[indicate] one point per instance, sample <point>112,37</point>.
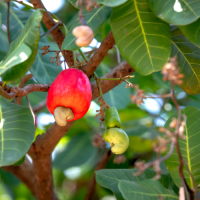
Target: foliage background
<point>75,157</point>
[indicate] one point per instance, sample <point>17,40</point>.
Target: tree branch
<point>56,33</point>
<point>121,70</point>
<point>99,55</point>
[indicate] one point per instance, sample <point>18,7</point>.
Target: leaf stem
<point>116,79</point>
<point>83,55</point>
<point>98,83</point>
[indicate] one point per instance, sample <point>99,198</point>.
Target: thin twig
<point>177,144</point>
<point>195,186</point>
<point>185,187</point>
<point>160,96</point>
<point>51,29</point>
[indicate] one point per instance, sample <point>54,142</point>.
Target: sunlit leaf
<point>29,36</point>
<point>178,12</point>
<point>16,131</point>
<point>17,56</point>
<point>43,70</point>
<point>142,38</point>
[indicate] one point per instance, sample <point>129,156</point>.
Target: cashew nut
<point>62,114</point>
<point>84,35</point>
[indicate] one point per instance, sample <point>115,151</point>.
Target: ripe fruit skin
<point>118,140</point>
<point>70,89</point>
<point>112,118</point>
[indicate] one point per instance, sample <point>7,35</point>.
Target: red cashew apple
<point>69,96</point>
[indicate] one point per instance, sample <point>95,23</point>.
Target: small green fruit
<point>118,140</point>
<point>112,119</point>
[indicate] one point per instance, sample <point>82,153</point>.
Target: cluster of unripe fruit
<point>117,137</point>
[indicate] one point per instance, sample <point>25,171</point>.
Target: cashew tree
<point>99,99</point>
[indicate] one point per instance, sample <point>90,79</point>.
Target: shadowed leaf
<point>16,131</point>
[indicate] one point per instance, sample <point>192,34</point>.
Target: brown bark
<point>56,33</point>
<point>99,55</point>
<point>42,166</point>
<point>121,70</point>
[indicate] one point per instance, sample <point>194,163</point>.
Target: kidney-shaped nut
<point>84,35</point>
<point>62,114</point>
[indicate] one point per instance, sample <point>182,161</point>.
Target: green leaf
<point>16,131</point>
<point>180,12</point>
<point>17,56</point>
<point>4,44</point>
<point>109,178</point>
<point>148,190</point>
<point>142,38</point>
<point>188,57</point>
<point>110,3</point>
<point>191,31</point>
<point>77,152</point>
<point>20,161</point>
<point>119,100</point>
<point>94,20</point>
<point>29,36</point>
<point>0,20</point>
<point>43,70</point>
<point>189,148</point>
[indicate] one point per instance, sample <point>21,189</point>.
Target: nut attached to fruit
<point>118,140</point>
<point>84,35</point>
<point>62,114</point>
<point>69,96</point>
<point>112,118</point>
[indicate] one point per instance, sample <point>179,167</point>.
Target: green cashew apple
<point>118,140</point>
<point>112,119</point>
